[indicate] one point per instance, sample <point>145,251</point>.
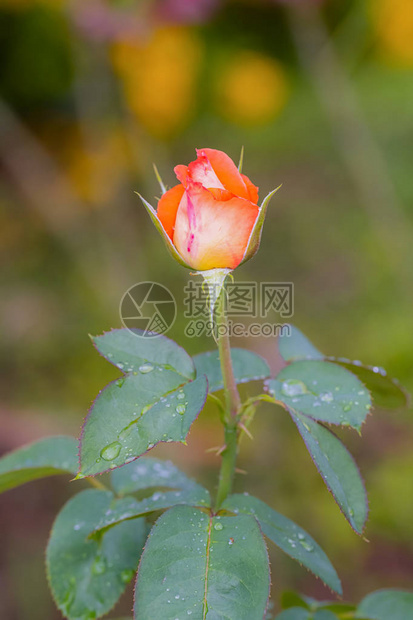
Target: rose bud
<point>211,219</point>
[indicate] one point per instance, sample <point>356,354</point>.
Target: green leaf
<point>386,605</point>
<point>158,225</point>
<point>298,613</point>
<point>387,392</point>
<point>324,614</point>
<point>129,351</point>
<point>294,613</point>
<point>338,608</point>
<point>292,599</point>
<point>47,457</point>
<point>255,236</point>
<point>130,417</point>
<point>128,508</point>
<point>248,366</point>
<point>87,576</point>
<point>149,472</point>
<point>213,567</point>
<point>288,536</point>
<point>295,346</point>
<point>323,391</point>
<point>337,468</point>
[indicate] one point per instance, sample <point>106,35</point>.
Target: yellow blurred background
<point>320,94</point>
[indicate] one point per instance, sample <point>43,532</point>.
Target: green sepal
<point>255,236</point>
<point>158,225</point>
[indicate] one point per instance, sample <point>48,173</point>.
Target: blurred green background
<point>320,94</point>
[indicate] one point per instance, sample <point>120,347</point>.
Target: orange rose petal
<point>221,194</point>
<point>168,207</point>
<point>210,233</point>
<point>202,172</point>
<point>252,189</point>
<point>226,171</point>
<point>181,172</point>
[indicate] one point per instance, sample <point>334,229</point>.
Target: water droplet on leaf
<point>293,387</point>
<point>127,575</point>
<point>99,566</point>
<point>111,451</point>
<point>327,397</point>
<point>307,546</point>
<point>126,432</point>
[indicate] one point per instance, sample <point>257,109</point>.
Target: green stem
<point>232,406</point>
<point>232,399</point>
<point>229,459</point>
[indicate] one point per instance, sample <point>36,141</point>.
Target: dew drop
<point>180,409</point>
<point>346,407</point>
<point>69,598</point>
<point>307,546</point>
<point>180,396</point>
<point>126,432</point>
<point>127,575</point>
<point>99,566</point>
<point>327,397</point>
<point>218,526</point>
<point>120,381</point>
<point>145,368</point>
<point>111,451</point>
<point>293,387</point>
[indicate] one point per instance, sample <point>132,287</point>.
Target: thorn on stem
<point>246,431</point>
<point>217,449</point>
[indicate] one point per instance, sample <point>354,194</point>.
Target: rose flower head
<point>211,219</point>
